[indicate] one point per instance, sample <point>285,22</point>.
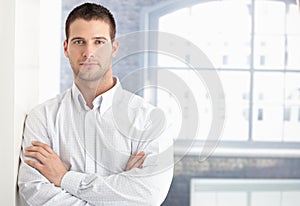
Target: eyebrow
<point>81,38</point>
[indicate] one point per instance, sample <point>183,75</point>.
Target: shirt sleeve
<point>34,188</point>
<point>146,186</point>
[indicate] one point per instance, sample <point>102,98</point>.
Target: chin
<point>91,78</point>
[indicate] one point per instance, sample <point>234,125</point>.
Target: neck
<point>91,89</point>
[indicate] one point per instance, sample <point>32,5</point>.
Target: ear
<point>115,47</point>
<point>66,49</point>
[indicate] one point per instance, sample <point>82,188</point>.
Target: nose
<point>89,51</point>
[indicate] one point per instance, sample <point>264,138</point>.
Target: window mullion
<point>250,138</point>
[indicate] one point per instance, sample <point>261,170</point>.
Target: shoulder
<point>135,105</point>
<point>134,101</point>
<point>50,106</point>
<point>136,111</point>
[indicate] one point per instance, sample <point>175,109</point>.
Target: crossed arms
<point>51,167</point>
<point>48,181</point>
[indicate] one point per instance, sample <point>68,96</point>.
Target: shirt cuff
<point>71,181</point>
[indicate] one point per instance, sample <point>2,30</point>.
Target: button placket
<point>90,141</point>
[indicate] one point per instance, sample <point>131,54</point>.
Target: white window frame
<point>149,21</point>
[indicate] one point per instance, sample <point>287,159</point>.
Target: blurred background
<point>254,45</point>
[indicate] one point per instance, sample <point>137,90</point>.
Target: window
<point>255,47</point>
<point>244,192</point>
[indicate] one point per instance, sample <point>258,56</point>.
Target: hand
<point>49,163</point>
<point>135,161</point>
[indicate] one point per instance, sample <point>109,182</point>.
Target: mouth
<point>88,64</point>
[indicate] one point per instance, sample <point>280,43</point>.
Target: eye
<point>78,42</point>
<point>100,42</point>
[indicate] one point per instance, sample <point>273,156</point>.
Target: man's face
<point>89,49</point>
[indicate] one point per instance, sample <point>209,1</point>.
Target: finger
<point>34,164</point>
<point>45,146</point>
<point>139,163</point>
<point>131,162</point>
<point>134,159</point>
<point>36,155</point>
<point>132,156</point>
<point>38,149</point>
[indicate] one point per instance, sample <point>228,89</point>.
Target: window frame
<point>149,21</point>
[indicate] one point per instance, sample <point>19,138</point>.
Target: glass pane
<point>269,52</point>
<point>265,198</point>
<point>169,23</point>
<point>232,199</point>
<point>235,34</point>
<point>203,34</point>
<point>290,198</point>
<point>293,37</point>
<point>206,198</point>
<point>293,20</point>
<point>268,102</point>
<point>234,52</point>
<point>269,17</point>
<point>170,61</point>
<point>220,29</point>
<point>236,17</point>
<point>196,90</point>
<point>293,51</point>
<point>269,39</point>
<point>236,89</point>
<point>292,107</point>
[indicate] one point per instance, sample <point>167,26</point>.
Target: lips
<point>88,63</point>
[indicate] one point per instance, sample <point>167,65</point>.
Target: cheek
<point>73,58</point>
<point>104,53</point>
<point>74,55</point>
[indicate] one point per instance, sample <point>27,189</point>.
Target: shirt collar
<point>103,101</point>
<point>108,96</point>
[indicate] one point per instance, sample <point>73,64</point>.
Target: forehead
<point>89,29</point>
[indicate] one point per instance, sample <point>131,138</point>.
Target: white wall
<point>50,48</point>
<point>7,19</point>
<point>30,59</point>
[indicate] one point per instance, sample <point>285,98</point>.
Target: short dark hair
<point>91,11</point>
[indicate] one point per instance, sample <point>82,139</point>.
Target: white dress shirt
<point>95,145</point>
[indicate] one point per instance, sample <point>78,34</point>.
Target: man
<point>96,144</point>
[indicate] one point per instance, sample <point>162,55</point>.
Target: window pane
<point>206,198</point>
<point>232,198</point>
<point>269,17</point>
<point>268,106</point>
<point>292,107</point>
<point>265,198</point>
<point>269,52</point>
<point>293,20</point>
<point>225,38</point>
<point>293,37</point>
<point>169,22</point>
<point>269,39</point>
<point>235,34</point>
<point>293,51</point>
<point>171,107</point>
<point>289,198</point>
<point>236,89</point>
<point>170,61</point>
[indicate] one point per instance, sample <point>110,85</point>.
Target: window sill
<point>240,149</point>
